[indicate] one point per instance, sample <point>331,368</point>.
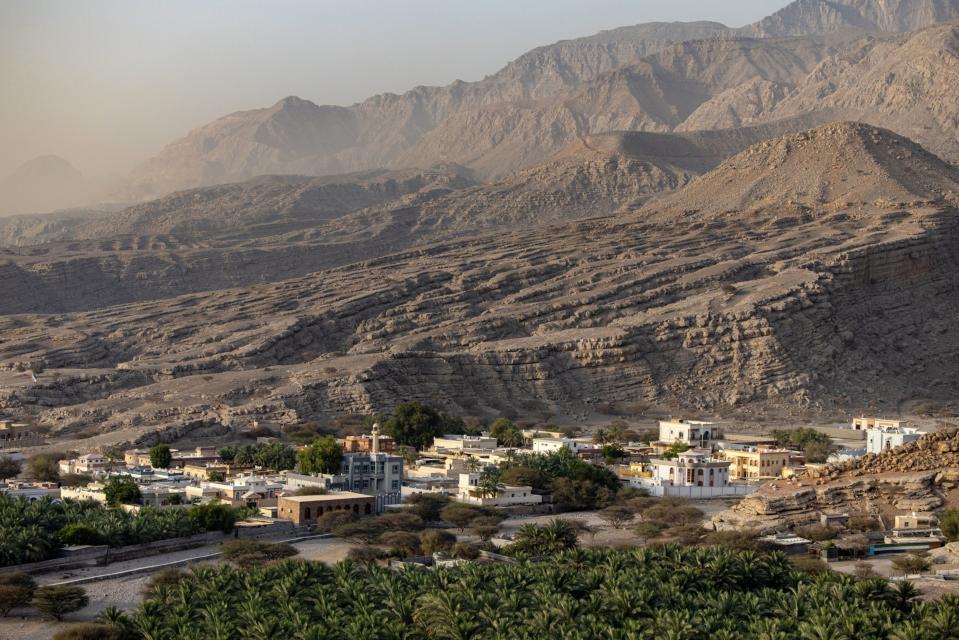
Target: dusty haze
<point>104,85</point>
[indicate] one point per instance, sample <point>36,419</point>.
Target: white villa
<point>879,439</point>
<point>693,433</point>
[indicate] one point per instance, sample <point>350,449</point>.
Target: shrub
<point>78,534</point>
<point>740,540</point>
<point>949,522</point>
<point>401,521</point>
<point>90,631</point>
<point>648,530</point>
<point>617,516</point>
<point>817,532</point>
<point>428,505</point>
<point>169,577</point>
<point>248,553</point>
<point>433,540</point>
<point>863,523</point>
<point>401,543</point>
<point>9,467</point>
<point>58,601</point>
<point>366,555</point>
<point>466,551</point>
<point>461,515</point>
<point>911,563</point>
<point>334,519</point>
<point>366,531</point>
<point>808,564</point>
<point>864,570</point>
<point>686,534</point>
<point>16,590</point>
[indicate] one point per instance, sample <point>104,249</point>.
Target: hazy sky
<point>106,83</point>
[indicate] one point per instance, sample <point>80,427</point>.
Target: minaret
<point>375,445</point>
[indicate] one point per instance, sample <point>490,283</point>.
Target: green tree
<point>675,449</point>
<point>323,455</point>
<point>9,468</point>
<point>555,536</point>
<point>44,467</point>
<point>506,432</point>
<point>58,601</point>
<point>461,515</point>
<point>415,424</point>
<point>488,485</point>
<point>949,522</point>
<point>121,490</point>
<point>613,452</point>
<point>428,505</point>
<point>80,534</point>
<point>160,456</point>
<point>523,476</point>
<point>214,516</point>
<point>75,480</point>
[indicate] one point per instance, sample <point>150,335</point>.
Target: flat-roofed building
<point>242,491</point>
<point>307,509</point>
<point>459,442</point>
<point>505,495</point>
<point>90,463</point>
<point>14,435</point>
<point>364,444</point>
<point>552,445</point>
<point>863,423</point>
<point>693,468</point>
<point>754,463</point>
<point>879,439</point>
<point>693,433</point>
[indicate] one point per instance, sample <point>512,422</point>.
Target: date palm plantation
<point>655,592</point>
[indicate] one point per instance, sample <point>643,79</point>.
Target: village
<point>503,493</point>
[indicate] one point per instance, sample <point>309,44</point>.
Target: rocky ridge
<point>643,77</point>
<point>918,476</point>
<point>811,313</point>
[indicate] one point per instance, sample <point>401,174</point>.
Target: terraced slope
<point>824,311</point>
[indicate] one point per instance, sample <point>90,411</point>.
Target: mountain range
<point>647,77</point>
<point>682,216</point>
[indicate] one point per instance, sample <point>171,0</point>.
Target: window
<point>396,468</point>
<point>396,485</point>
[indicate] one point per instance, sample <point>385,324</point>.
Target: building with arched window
<point>308,509</point>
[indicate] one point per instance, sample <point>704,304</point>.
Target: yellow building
<point>755,463</point>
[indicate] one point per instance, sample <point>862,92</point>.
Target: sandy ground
<point>125,592</point>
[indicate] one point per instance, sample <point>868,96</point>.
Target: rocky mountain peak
<point>839,166</point>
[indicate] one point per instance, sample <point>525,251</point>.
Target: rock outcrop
<point>917,476</point>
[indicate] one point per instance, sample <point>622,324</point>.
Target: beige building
<point>505,496</point>
<point>864,424</point>
<point>307,509</point>
<point>242,491</point>
<point>754,463</point>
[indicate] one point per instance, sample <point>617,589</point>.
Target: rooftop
<point>341,495</point>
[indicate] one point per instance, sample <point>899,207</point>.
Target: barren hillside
<point>818,313</point>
